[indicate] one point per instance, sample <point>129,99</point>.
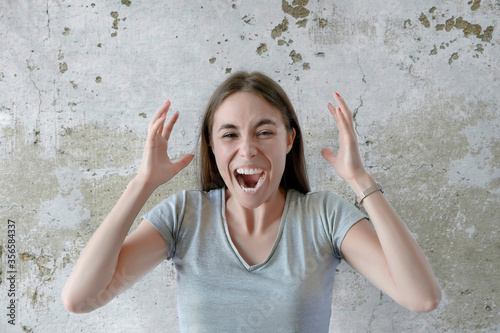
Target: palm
<point>156,166</point>
<point>347,163</point>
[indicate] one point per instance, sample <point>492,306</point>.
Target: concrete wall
<point>79,82</point>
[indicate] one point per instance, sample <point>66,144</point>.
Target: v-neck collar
<point>248,267</point>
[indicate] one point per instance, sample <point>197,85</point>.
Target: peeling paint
<point>261,49</point>
<point>297,9</point>
<point>63,67</point>
<point>279,29</point>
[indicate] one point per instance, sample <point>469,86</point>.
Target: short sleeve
<point>166,218</point>
<point>340,216</point>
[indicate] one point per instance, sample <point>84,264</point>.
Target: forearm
<point>411,273</point>
<point>96,266</point>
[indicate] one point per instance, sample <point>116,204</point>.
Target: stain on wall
<point>79,83</point>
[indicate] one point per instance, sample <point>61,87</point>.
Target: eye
<point>228,135</point>
<point>265,133</point>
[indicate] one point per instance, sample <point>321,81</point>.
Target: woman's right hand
<point>156,166</point>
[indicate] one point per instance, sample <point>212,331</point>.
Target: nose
<point>247,148</point>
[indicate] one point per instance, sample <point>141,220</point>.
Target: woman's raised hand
<point>347,163</point>
<point>156,166</point>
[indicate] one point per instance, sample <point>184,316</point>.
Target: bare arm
<point>112,262</point>
<point>390,257</point>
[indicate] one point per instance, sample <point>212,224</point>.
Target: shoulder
<point>316,198</point>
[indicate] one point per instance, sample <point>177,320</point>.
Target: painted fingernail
<point>162,116</point>
<point>340,109</point>
<point>166,102</point>
<point>337,94</point>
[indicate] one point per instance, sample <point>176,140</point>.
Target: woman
<point>255,250</point>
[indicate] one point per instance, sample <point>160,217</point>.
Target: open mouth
<point>250,180</point>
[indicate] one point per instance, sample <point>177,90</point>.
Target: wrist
<point>361,183</point>
<point>142,185</point>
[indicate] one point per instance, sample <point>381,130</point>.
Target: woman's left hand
<point>347,163</point>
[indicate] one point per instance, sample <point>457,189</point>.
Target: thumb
<point>183,162</point>
<point>328,155</point>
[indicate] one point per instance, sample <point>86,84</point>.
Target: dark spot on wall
<point>454,56</point>
<point>306,66</point>
<point>487,35</point>
<point>114,34</point>
<point>439,27</point>
<point>302,23</point>
<point>247,19</point>
<point>126,2</point>
<point>432,10</point>
<point>476,5</point>
<point>434,51</point>
<point>279,29</point>
<point>261,49</point>
<point>66,31</point>
<point>228,70</point>
<point>322,23</point>
<point>98,79</point>
<point>423,19</point>
<point>75,86</point>
<point>297,10</point>
<point>143,115</point>
<point>407,24</point>
<point>296,57</point>
<point>99,45</point>
<point>212,60</point>
<point>450,23</point>
<point>63,67</point>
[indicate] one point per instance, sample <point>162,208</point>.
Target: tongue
<point>250,180</point>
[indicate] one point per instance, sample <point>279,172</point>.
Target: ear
<point>290,139</point>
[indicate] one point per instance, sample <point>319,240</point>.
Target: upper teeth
<point>243,171</point>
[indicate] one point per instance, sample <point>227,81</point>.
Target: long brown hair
<point>294,176</point>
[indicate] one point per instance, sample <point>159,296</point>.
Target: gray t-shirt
<point>217,291</point>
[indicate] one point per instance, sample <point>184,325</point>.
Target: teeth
<point>246,189</point>
<point>242,171</point>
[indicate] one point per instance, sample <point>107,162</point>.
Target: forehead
<point>244,107</point>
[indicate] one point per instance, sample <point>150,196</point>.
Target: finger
<point>161,111</point>
<point>328,155</point>
<point>155,127</point>
<point>183,162</point>
<point>345,108</point>
<point>339,117</point>
<point>167,129</point>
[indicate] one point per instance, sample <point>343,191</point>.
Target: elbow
<point>73,305</point>
<point>427,304</point>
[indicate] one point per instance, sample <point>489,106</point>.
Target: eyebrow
<point>260,123</point>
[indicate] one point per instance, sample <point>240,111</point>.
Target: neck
<point>256,220</point>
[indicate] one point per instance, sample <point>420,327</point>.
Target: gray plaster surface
<point>79,81</point>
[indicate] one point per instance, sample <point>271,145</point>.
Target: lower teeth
<point>250,189</point>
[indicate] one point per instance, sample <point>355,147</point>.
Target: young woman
<point>254,249</point>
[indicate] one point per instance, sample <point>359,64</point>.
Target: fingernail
<point>167,101</point>
<point>163,115</point>
<point>340,109</point>
<point>336,93</point>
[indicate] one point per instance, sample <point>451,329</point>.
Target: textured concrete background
<point>79,82</point>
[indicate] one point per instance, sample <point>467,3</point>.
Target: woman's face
<point>250,143</point>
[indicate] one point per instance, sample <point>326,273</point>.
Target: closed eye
<point>265,133</point>
<point>229,135</point>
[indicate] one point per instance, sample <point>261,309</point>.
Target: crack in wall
<point>356,110</point>
<point>48,20</point>
<point>30,76</point>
